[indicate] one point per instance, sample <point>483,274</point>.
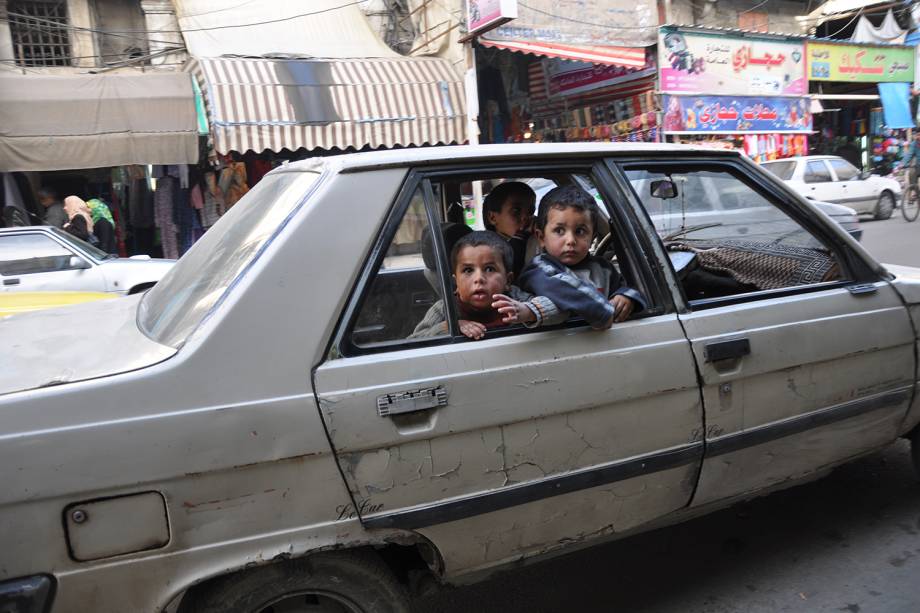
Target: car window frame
<point>658,294</point>
<point>50,236</point>
<point>775,191</point>
<point>827,168</point>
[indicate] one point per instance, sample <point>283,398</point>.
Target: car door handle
<point>411,401</point>
<point>725,350</point>
<point>11,281</point>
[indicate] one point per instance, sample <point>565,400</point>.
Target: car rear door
<point>518,443</point>
<point>805,354</point>
<point>820,184</point>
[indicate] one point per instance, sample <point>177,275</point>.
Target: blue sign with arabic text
<point>735,115</point>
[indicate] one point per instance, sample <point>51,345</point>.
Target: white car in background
<point>833,179</point>
<point>43,258</point>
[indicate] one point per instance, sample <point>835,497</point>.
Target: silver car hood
<point>74,343</point>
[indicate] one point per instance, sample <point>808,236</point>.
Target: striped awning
<point>275,104</point>
<point>628,57</point>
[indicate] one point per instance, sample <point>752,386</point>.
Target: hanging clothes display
<point>233,183</point>
<point>164,203</point>
<point>213,206</point>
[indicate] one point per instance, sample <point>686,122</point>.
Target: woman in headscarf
<point>79,218</point>
<point>103,224</point>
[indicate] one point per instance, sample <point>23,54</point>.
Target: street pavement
<point>849,542</point>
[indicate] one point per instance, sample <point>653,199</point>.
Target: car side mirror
<point>664,189</point>
<point>865,174</point>
<point>77,263</point>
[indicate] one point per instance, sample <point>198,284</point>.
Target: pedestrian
<point>79,219</point>
<point>103,224</point>
<point>54,208</point>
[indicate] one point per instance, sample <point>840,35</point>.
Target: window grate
<point>40,32</point>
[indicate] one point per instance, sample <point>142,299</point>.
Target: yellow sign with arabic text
<point>860,63</point>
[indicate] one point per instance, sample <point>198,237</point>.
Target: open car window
<point>403,303</point>
<point>725,236</point>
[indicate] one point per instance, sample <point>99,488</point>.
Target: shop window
<point>725,237</point>
<point>39,32</point>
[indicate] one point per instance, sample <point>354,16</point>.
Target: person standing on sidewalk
<point>55,215</point>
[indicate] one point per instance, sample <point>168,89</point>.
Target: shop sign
<point>735,114</point>
<point>566,78</point>
<point>616,23</point>
<point>860,63</point>
<point>485,15</point>
<point>692,63</point>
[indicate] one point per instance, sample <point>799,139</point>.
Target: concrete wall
<point>724,13</point>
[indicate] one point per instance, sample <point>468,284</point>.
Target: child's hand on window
<point>512,311</point>
<point>624,307</point>
<point>472,329</point>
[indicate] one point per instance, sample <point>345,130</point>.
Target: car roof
<point>418,156</point>
<point>804,158</point>
<point>13,229</point>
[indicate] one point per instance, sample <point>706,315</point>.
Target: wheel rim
<point>310,601</point>
<point>910,204</point>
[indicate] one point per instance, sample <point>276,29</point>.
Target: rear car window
<point>816,172</point>
<point>176,305</point>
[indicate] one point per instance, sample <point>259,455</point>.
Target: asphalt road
<point>849,542</point>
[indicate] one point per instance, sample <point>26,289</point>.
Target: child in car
<point>566,273</point>
<point>508,210</point>
<point>481,262</point>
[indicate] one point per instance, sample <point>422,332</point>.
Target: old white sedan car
<point>43,258</point>
<point>262,432</point>
<point>831,178</point>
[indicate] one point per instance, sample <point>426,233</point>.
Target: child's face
<point>479,273</point>
<point>567,235</point>
<point>516,215</point>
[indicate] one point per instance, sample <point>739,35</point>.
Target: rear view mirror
<point>77,263</point>
<point>664,189</point>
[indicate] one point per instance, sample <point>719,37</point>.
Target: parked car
<point>12,303</point>
<point>261,429</point>
<point>714,203</point>
<point>44,258</point>
<point>833,179</point>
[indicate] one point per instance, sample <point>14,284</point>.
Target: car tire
<point>352,581</point>
<point>885,205</point>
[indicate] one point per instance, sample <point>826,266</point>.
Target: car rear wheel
<point>885,206</point>
<point>335,582</point>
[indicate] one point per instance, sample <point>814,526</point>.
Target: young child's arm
<point>434,323</point>
<point>517,306</point>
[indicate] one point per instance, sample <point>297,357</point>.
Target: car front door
<point>805,354</point>
<point>33,261</point>
<point>515,444</point>
<point>858,194</point>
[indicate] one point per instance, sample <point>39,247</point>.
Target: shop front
<point>864,97</point>
<point>740,90</point>
<point>542,78</point>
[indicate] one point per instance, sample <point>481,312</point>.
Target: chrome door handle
<point>411,401</point>
<point>726,350</point>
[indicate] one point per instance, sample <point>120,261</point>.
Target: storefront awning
<point>275,104</point>
<point>628,57</point>
<point>92,121</point>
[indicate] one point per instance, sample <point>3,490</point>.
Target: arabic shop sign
<point>692,63</point>
<point>735,115</point>
<point>860,63</point>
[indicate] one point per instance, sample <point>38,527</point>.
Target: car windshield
<point>177,304</point>
<point>783,170</point>
<point>94,252</point>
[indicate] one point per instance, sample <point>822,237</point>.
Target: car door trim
<point>605,474</point>
<point>800,423</point>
